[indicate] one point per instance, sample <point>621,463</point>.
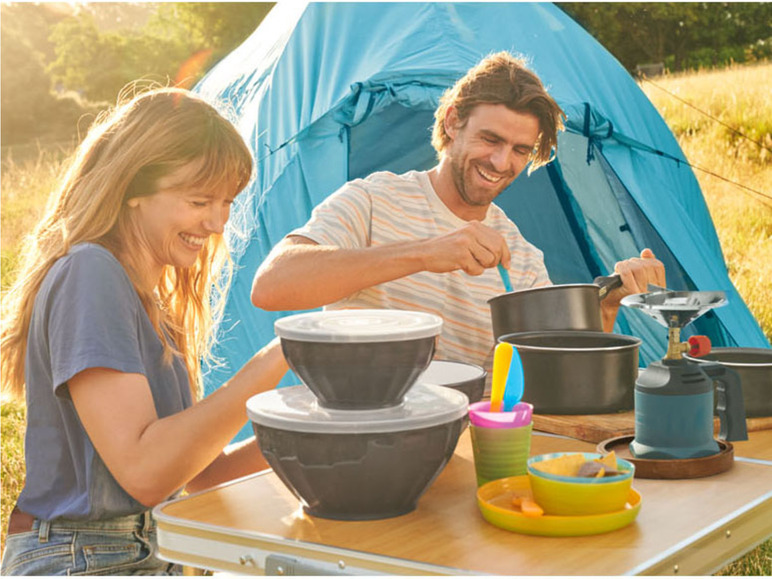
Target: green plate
<point>495,502</point>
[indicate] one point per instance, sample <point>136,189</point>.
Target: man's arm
<point>299,274</point>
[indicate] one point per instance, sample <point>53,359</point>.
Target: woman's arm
<point>151,457</point>
<point>237,460</point>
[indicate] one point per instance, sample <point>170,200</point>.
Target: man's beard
<point>457,170</point>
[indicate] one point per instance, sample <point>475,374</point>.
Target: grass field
<point>738,97</point>
<point>739,100</point>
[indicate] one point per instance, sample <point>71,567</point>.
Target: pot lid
<point>297,409</point>
<point>358,326</point>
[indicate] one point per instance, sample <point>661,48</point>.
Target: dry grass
<point>739,97</point>
<point>12,427</point>
<point>26,185</point>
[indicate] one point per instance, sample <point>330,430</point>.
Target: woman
<point>106,328</point>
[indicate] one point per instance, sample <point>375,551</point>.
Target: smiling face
<point>175,222</point>
<point>484,156</point>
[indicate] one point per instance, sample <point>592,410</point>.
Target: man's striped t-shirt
<point>387,208</point>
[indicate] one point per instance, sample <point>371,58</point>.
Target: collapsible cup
<point>501,447</point>
<point>480,415</point>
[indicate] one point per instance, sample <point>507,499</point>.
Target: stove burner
<point>675,309</point>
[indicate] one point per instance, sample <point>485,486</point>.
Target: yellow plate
<point>495,502</point>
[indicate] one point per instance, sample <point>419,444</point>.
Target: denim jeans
<point>120,546</point>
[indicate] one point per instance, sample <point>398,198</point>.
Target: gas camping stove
<point>674,397</point>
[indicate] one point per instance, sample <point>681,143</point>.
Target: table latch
<point>283,565</point>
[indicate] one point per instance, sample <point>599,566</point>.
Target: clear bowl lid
<point>297,409</point>
<point>358,326</point>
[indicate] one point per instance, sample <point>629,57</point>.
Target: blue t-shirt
<point>87,314</point>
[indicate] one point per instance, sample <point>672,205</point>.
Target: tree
<point>26,96</point>
<point>680,34</point>
<point>100,64</point>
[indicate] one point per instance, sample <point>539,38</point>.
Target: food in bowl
<point>359,359</point>
<point>559,489</point>
<point>576,465</point>
<point>358,465</point>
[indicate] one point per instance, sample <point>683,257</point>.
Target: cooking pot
<point>556,307</point>
<point>577,372</point>
<point>754,365</point>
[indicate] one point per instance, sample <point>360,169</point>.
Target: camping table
<point>758,447</point>
<point>254,525</point>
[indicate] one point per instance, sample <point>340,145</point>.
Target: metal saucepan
<point>577,372</point>
<point>557,307</point>
<point>754,366</point>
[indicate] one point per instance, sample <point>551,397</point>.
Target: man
<point>431,240</point>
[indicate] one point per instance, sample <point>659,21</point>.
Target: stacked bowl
<point>564,495</point>
<point>359,439</point>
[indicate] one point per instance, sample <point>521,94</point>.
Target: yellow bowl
<point>581,496</point>
<point>494,500</point>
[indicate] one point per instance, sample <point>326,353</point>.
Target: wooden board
<point>599,427</point>
<point>671,469</point>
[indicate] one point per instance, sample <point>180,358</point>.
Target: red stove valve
<point>700,346</point>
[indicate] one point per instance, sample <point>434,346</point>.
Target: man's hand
<point>472,248</point>
<point>636,273</point>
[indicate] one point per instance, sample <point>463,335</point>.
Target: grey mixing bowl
<point>359,359</point>
<point>359,375</point>
<point>462,376</point>
<point>353,465</point>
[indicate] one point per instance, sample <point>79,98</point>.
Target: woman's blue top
<point>87,314</point>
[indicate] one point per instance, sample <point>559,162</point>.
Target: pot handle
<point>607,283</point>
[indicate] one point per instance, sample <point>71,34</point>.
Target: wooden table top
<point>685,526</point>
<point>757,447</point>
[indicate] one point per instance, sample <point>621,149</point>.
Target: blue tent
<point>327,92</point>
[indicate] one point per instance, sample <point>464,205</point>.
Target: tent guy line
<point>699,110</point>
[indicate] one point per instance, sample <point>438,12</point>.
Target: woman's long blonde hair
<point>123,156</point>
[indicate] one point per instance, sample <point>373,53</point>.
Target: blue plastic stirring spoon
<point>505,277</point>
<point>513,391</point>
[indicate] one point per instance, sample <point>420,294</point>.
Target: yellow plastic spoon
<point>502,357</point>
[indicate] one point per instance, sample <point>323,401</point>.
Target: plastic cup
<point>500,452</point>
<point>480,415</point>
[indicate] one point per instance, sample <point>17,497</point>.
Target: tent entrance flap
<point>396,139</point>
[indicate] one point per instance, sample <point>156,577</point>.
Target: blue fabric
<point>326,92</point>
<point>121,546</point>
<point>86,315</point>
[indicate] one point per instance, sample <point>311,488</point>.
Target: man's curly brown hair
<point>501,78</point>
